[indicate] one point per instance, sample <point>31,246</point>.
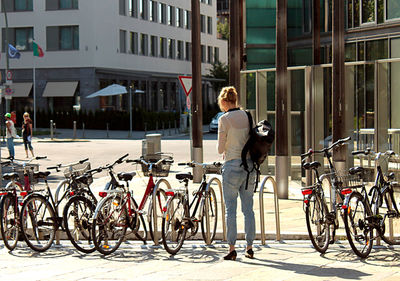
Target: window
<point>23,5</point>
<point>188,51</point>
<point>153,46</point>
<point>392,9</point>
<point>187,19</point>
<point>134,43</point>
<point>216,54</point>
<point>171,12</point>
<point>133,8</point>
<point>153,11</point>
<point>202,23</point>
<point>171,48</point>
<point>162,13</point>
<point>209,25</point>
<point>368,11</point>
<point>179,54</point>
<point>122,41</point>
<point>21,38</point>
<point>209,54</point>
<point>163,47</point>
<point>143,9</point>
<point>52,5</point>
<point>62,38</point>
<point>203,53</point>
<point>179,17</point>
<point>143,44</point>
<point>209,2</point>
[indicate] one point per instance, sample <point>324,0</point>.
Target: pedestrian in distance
<point>233,133</point>
<point>11,133</point>
<point>27,134</point>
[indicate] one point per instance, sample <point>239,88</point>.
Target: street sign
<point>9,75</point>
<point>186,82</point>
<point>8,92</point>
<point>188,102</point>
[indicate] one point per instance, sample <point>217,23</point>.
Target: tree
<point>223,28</point>
<point>219,70</point>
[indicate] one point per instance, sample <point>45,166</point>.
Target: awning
<point>111,90</point>
<point>60,89</point>
<point>21,90</point>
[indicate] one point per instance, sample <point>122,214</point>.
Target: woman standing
<point>233,133</point>
<point>27,134</point>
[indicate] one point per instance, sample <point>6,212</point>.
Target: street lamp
<point>130,111</point>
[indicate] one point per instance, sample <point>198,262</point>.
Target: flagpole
<point>34,95</point>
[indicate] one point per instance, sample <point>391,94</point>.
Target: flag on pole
<point>13,53</point>
<point>37,50</point>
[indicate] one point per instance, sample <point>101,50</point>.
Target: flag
<point>37,51</point>
<point>13,53</point>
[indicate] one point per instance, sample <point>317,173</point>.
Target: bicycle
<point>39,215</point>
<point>362,215</point>
<point>178,218</point>
<point>317,212</point>
<point>118,210</point>
<point>12,195</point>
<point>80,208</point>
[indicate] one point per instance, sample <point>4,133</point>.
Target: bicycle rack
<point>154,202</point>
<point>222,209</point>
<point>261,201</point>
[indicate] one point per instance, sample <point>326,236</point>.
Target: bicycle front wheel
<point>9,221</point>
<point>77,214</point>
<point>210,216</point>
<point>317,225</point>
<point>391,224</point>
<point>156,215</point>
<point>356,224</point>
<point>38,223</point>
<point>173,225</point>
<point>109,225</point>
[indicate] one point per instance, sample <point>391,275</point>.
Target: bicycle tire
<point>141,235</point>
<point>358,232</point>
<point>106,237</point>
<point>393,227</point>
<point>9,213</point>
<point>38,223</point>
<point>77,214</point>
<point>155,225</point>
<point>210,215</point>
<point>173,224</point>
<point>316,212</point>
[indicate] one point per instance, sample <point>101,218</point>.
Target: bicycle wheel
<point>109,225</point>
<point>173,225</point>
<point>358,231</point>
<point>317,225</point>
<point>210,216</point>
<point>77,213</point>
<point>38,223</point>
<point>391,226</point>
<point>9,221</point>
<point>156,214</point>
<point>136,222</point>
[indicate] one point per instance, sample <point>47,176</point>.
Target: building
<point>89,44</point>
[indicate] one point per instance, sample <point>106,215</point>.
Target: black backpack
<point>259,143</point>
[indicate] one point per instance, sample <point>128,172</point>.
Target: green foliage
<point>219,70</point>
<point>223,29</point>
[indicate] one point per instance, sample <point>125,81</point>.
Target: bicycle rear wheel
<point>391,234</point>
<point>173,225</point>
<point>109,225</point>
<point>210,216</point>
<point>77,213</point>
<point>136,222</point>
<point>38,223</point>
<point>356,224</point>
<point>317,225</point>
<point>156,214</point>
<point>9,221</point>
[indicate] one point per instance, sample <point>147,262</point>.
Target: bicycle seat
<point>10,176</point>
<point>312,165</point>
<point>41,175</point>
<point>182,176</point>
<point>356,170</point>
<point>126,176</point>
<point>82,179</point>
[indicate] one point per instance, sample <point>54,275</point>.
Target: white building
<point>89,44</point>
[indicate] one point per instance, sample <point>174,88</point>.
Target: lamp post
<point>130,111</point>
<point>3,6</point>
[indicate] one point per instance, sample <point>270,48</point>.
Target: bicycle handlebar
<point>333,145</point>
<point>194,164</point>
<point>144,162</point>
<point>57,167</point>
<point>365,152</point>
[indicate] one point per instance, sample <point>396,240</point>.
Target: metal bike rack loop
<point>217,180</point>
<point>261,201</point>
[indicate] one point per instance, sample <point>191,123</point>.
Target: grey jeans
<point>234,183</point>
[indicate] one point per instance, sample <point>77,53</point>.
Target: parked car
<point>213,128</point>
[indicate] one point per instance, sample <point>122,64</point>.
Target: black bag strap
<point>247,145</point>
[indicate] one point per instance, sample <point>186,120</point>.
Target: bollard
<point>163,128</point>
<point>169,128</point>
<point>107,131</point>
<point>83,130</point>
<point>156,126</point>
<point>176,128</point>
<point>74,134</point>
<point>55,128</point>
<point>145,129</point>
<point>51,129</point>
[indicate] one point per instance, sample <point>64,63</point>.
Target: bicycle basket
<point>161,170</point>
<point>78,170</point>
<point>349,181</point>
<point>30,169</point>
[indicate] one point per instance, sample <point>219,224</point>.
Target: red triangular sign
<point>186,82</point>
